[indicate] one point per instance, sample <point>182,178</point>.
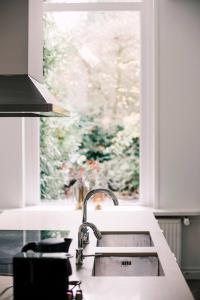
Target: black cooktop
<point>12,241</point>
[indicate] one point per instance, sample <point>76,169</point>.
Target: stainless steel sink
<point>127,265</point>
<point>125,239</point>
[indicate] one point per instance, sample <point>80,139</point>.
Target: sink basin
<point>127,265</point>
<point>125,239</point>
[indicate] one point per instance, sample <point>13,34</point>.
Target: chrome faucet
<point>87,197</point>
<point>79,252</point>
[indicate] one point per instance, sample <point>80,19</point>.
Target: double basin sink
<point>126,264</point>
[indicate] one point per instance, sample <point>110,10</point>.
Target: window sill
<point>134,207</point>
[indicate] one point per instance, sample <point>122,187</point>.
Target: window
<point>96,57</point>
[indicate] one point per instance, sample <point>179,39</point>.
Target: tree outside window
<point>92,63</point>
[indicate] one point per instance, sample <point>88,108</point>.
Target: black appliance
<point>41,275</point>
<point>49,245</point>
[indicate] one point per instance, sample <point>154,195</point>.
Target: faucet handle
<point>92,255</point>
<point>85,236</point>
<point>85,232</point>
<point>79,256</point>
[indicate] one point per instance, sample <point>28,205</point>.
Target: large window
<point>93,63</point>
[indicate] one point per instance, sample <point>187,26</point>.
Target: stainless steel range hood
<point>23,96</point>
<point>22,93</point>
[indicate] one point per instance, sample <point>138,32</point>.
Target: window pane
<point>92,63</point>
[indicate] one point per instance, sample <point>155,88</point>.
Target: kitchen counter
<point>171,286</point>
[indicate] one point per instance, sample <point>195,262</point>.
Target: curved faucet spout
<point>83,233</point>
<point>93,192</point>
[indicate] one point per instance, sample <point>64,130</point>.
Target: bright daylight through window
<point>92,64</point>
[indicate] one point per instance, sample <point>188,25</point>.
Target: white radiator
<point>172,231</point>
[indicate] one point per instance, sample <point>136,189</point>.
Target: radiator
<point>172,231</point>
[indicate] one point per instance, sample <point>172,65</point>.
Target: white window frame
<point>149,109</point>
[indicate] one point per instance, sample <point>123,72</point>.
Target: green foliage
<point>59,142</point>
<point>57,136</point>
<point>51,160</point>
<point>124,168</point>
<point>100,140</point>
<point>54,49</point>
<point>95,142</point>
<point>116,156</point>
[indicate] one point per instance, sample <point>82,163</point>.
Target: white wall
<point>20,53</point>
<point>32,125</point>
<point>13,42</point>
<point>179,103</point>
<point>31,161</point>
<point>11,163</point>
<point>35,39</point>
<point>13,60</point>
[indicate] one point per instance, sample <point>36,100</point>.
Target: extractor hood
<point>22,92</point>
<point>23,96</point>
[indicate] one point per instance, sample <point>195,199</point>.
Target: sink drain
<point>126,263</point>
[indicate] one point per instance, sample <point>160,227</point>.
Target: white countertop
<point>172,286</point>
